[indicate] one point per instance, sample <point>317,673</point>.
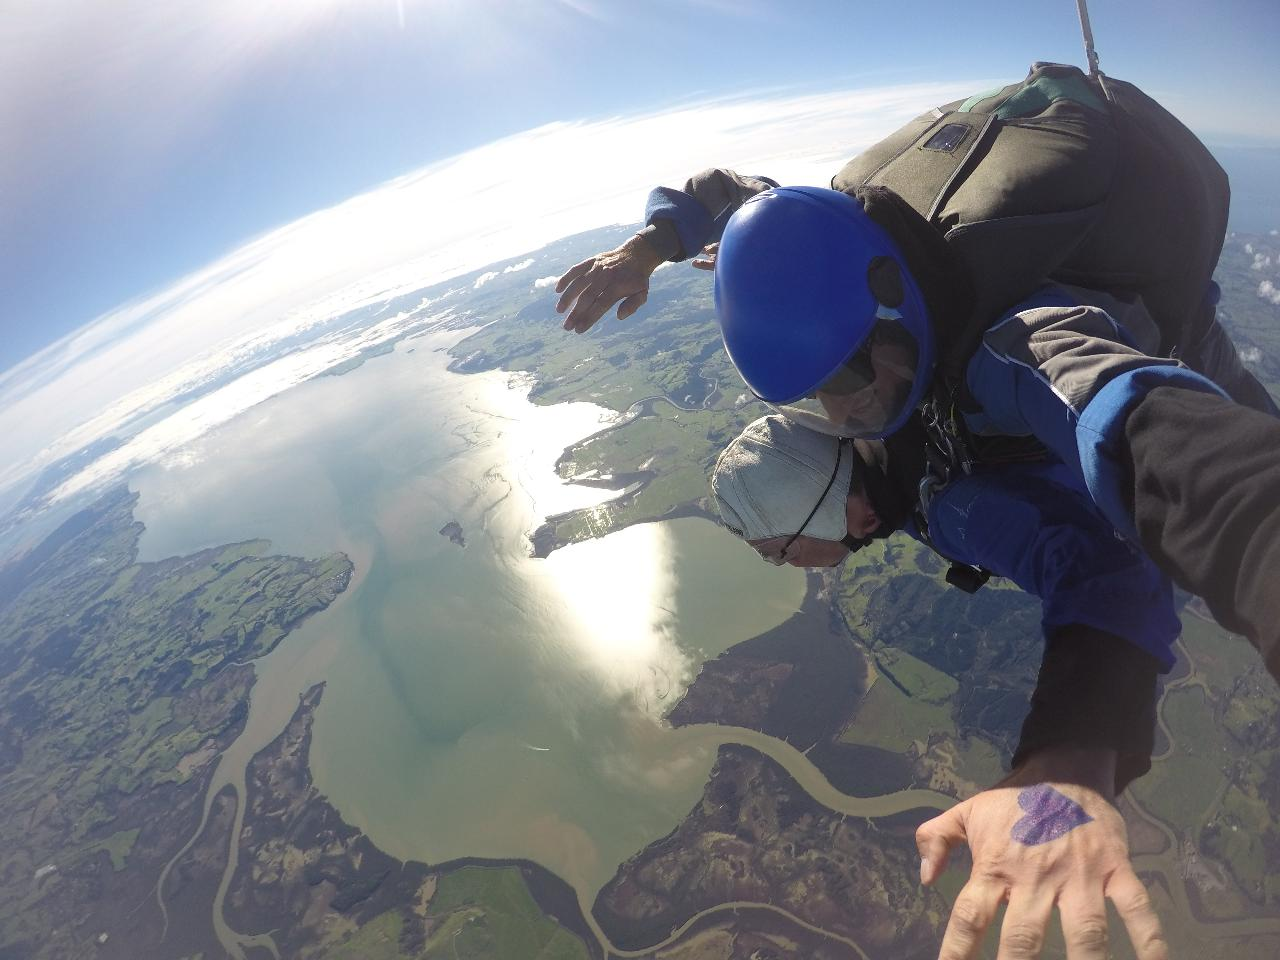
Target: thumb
<point>632,304</point>
<point>936,837</point>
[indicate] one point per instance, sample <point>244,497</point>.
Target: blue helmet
<point>819,313</point>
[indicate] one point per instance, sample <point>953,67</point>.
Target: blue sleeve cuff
<point>1100,437</point>
<point>693,223</point>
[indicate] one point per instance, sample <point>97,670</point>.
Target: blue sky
<point>143,140</point>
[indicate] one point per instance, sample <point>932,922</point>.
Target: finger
<point>591,306</point>
<point>573,273</point>
<point>1084,925</point>
<point>1134,905</point>
<point>935,838</point>
<point>1022,933</point>
<point>633,303</point>
<point>705,264</point>
<point>572,291</point>
<point>972,914</point>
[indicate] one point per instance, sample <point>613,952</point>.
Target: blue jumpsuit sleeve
<point>1064,373</point>
<point>699,212</point>
<point>1033,525</point>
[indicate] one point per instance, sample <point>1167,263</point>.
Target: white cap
<point>770,476</point>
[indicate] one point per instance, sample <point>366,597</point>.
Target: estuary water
<point>478,702</point>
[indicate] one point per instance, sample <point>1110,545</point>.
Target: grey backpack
<point>1062,177</point>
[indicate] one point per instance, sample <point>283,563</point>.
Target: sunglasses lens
<point>855,375</point>
<point>867,392</point>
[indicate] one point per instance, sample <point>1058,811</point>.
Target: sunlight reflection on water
<point>621,599</point>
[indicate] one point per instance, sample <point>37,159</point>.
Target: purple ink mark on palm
<point>1050,815</point>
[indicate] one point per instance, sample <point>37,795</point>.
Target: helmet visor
<point>867,395</point>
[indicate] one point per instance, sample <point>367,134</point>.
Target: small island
<point>453,530</point>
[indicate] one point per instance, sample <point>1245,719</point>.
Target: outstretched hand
<point>1046,836</point>
<point>588,289</point>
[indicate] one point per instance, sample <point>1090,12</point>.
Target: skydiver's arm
<point>679,223</point>
<point>1108,613</point>
<point>1094,691</point>
<point>1205,491</point>
<point>1170,461</point>
<point>1049,833</point>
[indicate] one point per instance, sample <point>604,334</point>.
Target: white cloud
<point>522,265</point>
<point>543,282</point>
<point>1261,261</point>
<point>1251,355</point>
<point>134,359</point>
<point>483,279</point>
<point>1268,291</point>
<point>168,437</point>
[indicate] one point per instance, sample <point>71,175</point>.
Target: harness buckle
<point>946,454</point>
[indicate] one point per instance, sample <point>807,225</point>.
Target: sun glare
<point>620,594</point>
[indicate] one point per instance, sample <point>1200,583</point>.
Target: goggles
<point>870,390</point>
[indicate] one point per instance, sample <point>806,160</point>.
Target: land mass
<point>120,684</point>
<point>453,530</point>
<point>757,837</point>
